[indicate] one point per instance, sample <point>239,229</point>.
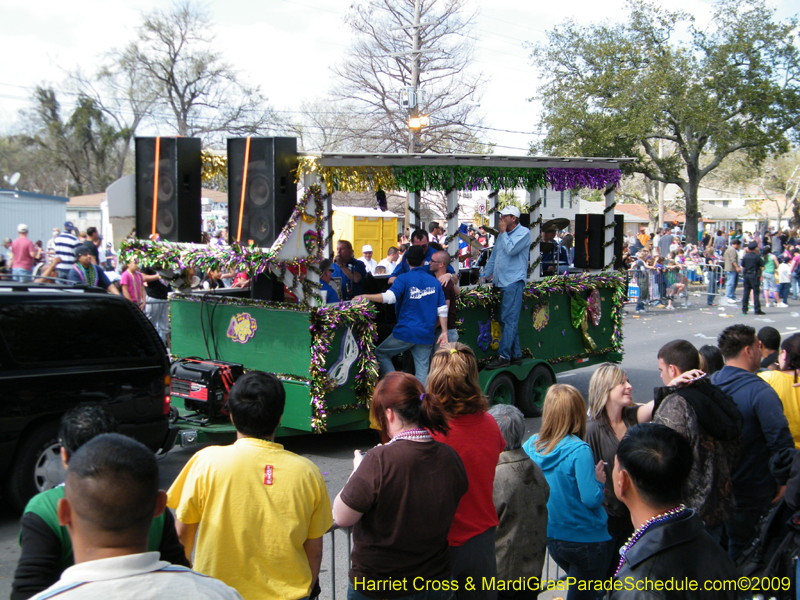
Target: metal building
<point>40,212</point>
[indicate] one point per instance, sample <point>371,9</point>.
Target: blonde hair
<point>453,378</point>
<point>604,379</point>
<point>564,414</point>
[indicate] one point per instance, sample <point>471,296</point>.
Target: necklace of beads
<point>88,275</point>
<point>673,512</point>
<point>418,433</point>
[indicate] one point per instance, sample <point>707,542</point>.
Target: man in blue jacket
<point>765,433</point>
<point>420,239</point>
<point>420,303</point>
<point>508,269</point>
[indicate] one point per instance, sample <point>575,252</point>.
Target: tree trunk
<point>690,226</point>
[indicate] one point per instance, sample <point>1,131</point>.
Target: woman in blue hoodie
<point>577,532</point>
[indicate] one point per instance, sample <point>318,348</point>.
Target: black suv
<point>64,346</point>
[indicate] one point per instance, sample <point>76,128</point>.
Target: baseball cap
<point>81,250</point>
<point>69,226</point>
<point>366,248</point>
<point>22,228</point>
<point>752,245</point>
<point>6,240</point>
<point>510,210</point>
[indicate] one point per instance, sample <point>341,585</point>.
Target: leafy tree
<point>86,146</point>
<point>389,54</point>
<point>197,93</point>
<point>632,89</point>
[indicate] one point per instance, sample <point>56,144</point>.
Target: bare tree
<point>125,94</point>
<point>198,94</point>
<point>421,44</point>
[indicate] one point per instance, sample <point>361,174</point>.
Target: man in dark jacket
<point>670,545</point>
<point>711,423</point>
<point>765,432</point>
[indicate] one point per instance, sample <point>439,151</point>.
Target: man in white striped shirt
<point>65,245</point>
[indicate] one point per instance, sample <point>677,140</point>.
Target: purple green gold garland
<point>487,296</point>
<point>324,322</point>
<point>443,178</point>
<point>237,257</point>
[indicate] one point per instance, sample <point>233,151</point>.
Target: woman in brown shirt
<point>611,413</point>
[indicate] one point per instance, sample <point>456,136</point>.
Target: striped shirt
<point>65,245</point>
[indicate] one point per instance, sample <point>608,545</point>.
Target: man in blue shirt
<point>326,272</point>
<point>420,303</point>
<point>508,269</point>
<point>349,270</point>
<point>418,238</point>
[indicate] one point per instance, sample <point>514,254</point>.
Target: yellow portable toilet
<point>372,226</point>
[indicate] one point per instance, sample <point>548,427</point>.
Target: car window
<point>54,331</point>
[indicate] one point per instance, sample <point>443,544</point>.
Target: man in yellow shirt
<point>261,510</point>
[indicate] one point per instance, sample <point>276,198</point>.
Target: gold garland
<point>215,167</point>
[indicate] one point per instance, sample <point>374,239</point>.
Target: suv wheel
<point>37,466</point>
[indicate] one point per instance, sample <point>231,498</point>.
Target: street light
<point>418,122</point>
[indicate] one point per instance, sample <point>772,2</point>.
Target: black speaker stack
<point>590,237</point>
<point>174,166</point>
<point>261,189</point>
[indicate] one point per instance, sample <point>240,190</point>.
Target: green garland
<point>488,296</point>
<point>324,322</point>
<point>237,257</point>
<point>443,178</point>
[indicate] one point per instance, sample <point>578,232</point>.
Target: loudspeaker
<point>266,286</point>
<point>179,168</point>
<point>589,241</point>
<point>619,239</point>
<point>265,170</point>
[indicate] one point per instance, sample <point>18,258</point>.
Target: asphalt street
<point>644,334</point>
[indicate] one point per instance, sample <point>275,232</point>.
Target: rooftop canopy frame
<point>451,173</point>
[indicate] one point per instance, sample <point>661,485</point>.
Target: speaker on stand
<point>173,166</point>
<point>261,197</point>
<point>589,239</point>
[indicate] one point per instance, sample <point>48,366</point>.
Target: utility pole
<point>415,60</point>
<point>661,189</point>
<point>414,111</point>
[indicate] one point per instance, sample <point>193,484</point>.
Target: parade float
<point>324,353</point>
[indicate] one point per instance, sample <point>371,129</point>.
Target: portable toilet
<point>372,226</point>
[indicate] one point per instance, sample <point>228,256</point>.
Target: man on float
<point>548,258</point>
<point>507,268</point>
<point>420,238</point>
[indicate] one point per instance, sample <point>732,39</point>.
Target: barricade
<point>328,578</point>
<point>675,284</point>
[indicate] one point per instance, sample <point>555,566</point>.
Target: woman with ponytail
<point>474,434</point>
<point>783,381</point>
<point>402,496</point>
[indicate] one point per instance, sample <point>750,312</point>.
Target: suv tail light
<point>167,401</point>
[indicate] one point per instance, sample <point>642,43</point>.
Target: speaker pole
<point>608,245</point>
<point>244,188</point>
<point>155,187</point>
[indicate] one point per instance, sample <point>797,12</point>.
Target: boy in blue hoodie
<point>765,433</point>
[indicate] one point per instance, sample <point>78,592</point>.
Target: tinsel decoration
<point>446,177</point>
<point>488,296</point>
<point>325,321</point>
<point>571,179</point>
<point>239,258</point>
<point>215,167</point>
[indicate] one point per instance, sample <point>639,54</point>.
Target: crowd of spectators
<point>673,488</point>
<point>767,264</point>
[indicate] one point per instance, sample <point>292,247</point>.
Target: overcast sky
<point>288,46</point>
